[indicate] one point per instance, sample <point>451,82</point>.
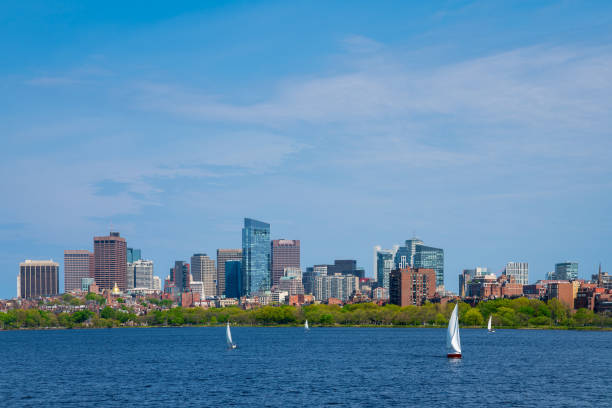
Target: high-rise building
<point>38,278</point>
<point>308,278</point>
<point>129,276</point>
<point>156,283</point>
<point>233,281</point>
<point>426,257</point>
<point>566,271</point>
<point>78,264</point>
<point>256,277</point>
<point>224,255</point>
<point>203,270</point>
<point>110,263</point>
<point>414,254</point>
<point>518,270</point>
<point>285,254</point>
<point>385,264</point>
<point>466,277</point>
<point>133,255</point>
<point>179,276</point>
<point>411,286</point>
<point>380,255</point>
<point>143,274</point>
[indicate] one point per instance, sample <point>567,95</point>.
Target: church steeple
<point>599,276</point>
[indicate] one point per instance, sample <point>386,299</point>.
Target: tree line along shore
<point>507,313</point>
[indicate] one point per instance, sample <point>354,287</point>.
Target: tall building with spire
<point>110,261</point>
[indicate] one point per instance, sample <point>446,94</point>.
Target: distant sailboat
<point>489,324</point>
<point>228,337</point>
<point>306,325</point>
<point>453,342</point>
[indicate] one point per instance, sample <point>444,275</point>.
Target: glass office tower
<point>430,258</point>
<point>566,271</point>
<point>256,247</point>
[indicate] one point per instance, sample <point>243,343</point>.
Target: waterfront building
<point>110,264</point>
<point>412,286</point>
<point>256,256</point>
<point>132,255</point>
<point>224,255</point>
<point>518,270</point>
<point>38,278</point>
<point>233,281</point>
<point>561,290</point>
<point>203,270</point>
<point>336,286</point>
<point>78,264</point>
<point>566,271</point>
<point>285,254</point>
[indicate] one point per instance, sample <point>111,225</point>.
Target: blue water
<point>286,367</point>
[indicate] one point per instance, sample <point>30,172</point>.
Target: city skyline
<point>398,259</point>
<point>481,128</point>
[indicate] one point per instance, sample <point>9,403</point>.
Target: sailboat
<point>228,337</point>
<point>489,324</point>
<point>306,325</point>
<point>453,342</point>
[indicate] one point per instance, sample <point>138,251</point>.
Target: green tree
<point>473,318</point>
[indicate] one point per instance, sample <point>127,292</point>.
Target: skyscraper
<point>566,271</point>
<point>78,264</point>
<point>519,270</point>
<point>110,263</point>
<point>233,281</point>
<point>133,255</point>
<point>38,278</point>
<point>414,254</point>
<point>179,275</point>
<point>384,266</point>
<point>143,274</point>
<point>224,255</point>
<point>255,257</point>
<point>285,254</point>
<point>203,270</point>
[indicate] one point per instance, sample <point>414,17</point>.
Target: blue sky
<point>483,127</point>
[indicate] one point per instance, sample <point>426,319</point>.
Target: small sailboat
<point>489,324</point>
<point>228,337</point>
<point>306,325</point>
<point>453,342</point>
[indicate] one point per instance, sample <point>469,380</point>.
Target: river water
<point>288,367</point>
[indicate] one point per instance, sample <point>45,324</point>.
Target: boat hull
<point>453,355</point>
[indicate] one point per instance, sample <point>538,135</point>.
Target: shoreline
<point>543,328</point>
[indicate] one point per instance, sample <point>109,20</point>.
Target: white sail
<point>453,342</point>
<point>306,325</point>
<point>228,336</point>
<point>489,324</point>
